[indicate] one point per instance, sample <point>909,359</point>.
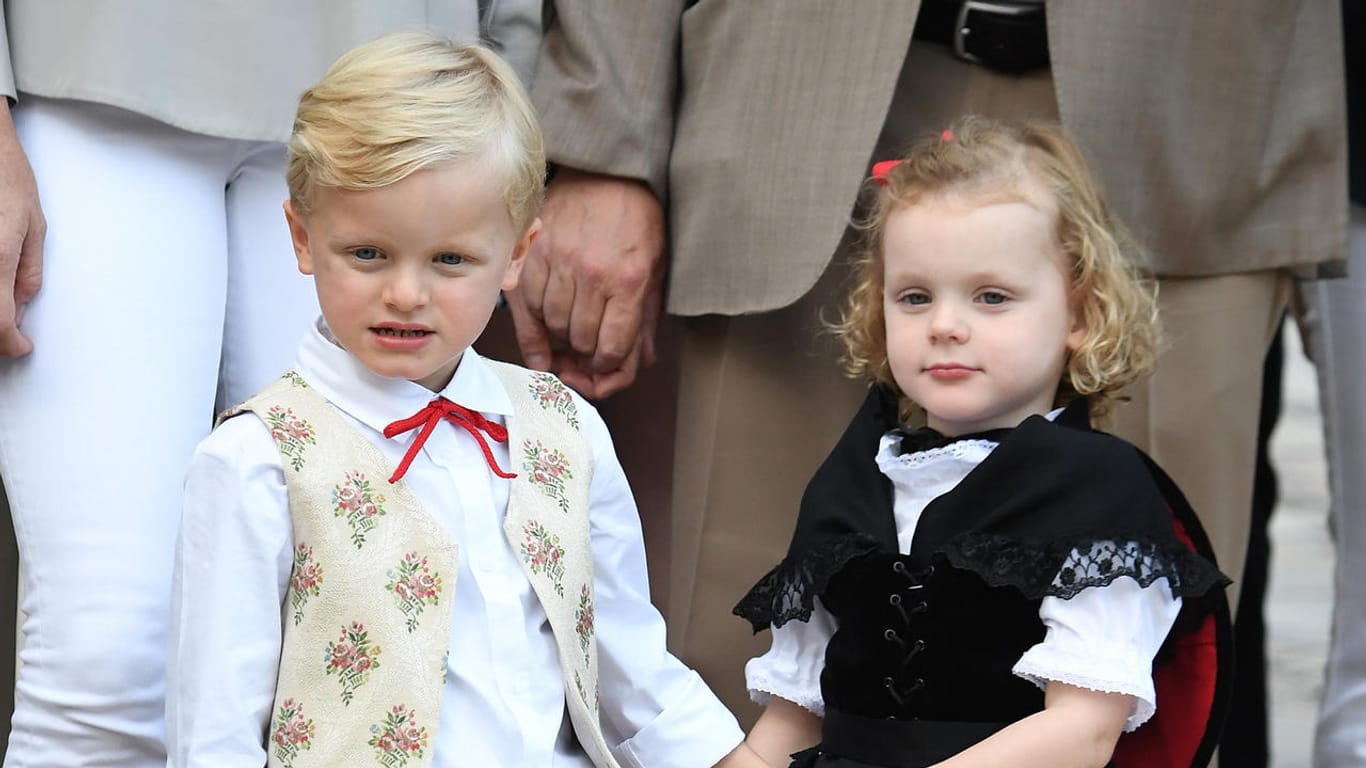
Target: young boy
<point>402,553</point>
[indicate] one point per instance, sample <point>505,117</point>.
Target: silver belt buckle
<point>962,28</point>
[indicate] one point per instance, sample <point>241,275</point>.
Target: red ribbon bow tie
<point>427,418</point>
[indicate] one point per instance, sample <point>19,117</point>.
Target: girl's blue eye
<point>451,259</point>
<point>365,253</point>
<point>916,299</point>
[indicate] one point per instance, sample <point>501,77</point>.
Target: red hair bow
<point>882,170</point>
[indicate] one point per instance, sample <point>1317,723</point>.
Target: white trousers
<point>169,291</point>
<point>1336,319</point>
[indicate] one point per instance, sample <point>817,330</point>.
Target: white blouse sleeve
<point>1104,639</point>
<point>792,667</point>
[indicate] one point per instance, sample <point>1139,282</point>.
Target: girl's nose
<point>947,324</point>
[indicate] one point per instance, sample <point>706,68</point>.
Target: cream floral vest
<point>367,614</point>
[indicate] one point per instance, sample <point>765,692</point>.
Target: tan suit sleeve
<point>606,85</point>
<point>6,71</point>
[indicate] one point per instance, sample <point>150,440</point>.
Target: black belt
<point>862,741</point>
<point>1005,35</point>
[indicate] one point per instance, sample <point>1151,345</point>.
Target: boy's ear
<point>519,252</point>
<point>298,233</point>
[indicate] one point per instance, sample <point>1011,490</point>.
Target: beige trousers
<point>1197,414</point>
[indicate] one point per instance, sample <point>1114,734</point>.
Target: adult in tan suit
<point>745,129</point>
<point>152,132</point>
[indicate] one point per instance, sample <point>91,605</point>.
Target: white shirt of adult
<point>504,696</point>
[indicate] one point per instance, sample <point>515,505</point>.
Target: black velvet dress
<point>920,665</point>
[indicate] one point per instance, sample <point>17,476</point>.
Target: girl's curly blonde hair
<point>978,157</point>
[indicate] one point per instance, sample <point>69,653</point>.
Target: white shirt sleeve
<point>1104,639</point>
<point>792,667</point>
<point>654,710</point>
<point>232,569</point>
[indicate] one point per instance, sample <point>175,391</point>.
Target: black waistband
<point>1006,35</point>
<point>893,743</point>
<point>899,742</point>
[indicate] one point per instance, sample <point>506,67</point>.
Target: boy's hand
<point>22,229</point>
<point>744,757</point>
<point>591,289</point>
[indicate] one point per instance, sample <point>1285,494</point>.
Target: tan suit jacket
<point>231,69</point>
<point>1216,126</point>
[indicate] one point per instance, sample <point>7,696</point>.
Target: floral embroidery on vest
<point>362,507</point>
<point>596,703</point>
<point>583,616</point>
<point>305,581</point>
<point>292,733</point>
<point>294,378</point>
<point>578,684</point>
<point>291,434</point>
<point>398,738</point>
<point>351,658</point>
<point>542,552</point>
<point>548,470</point>
<point>551,394</point>
<point>414,587</point>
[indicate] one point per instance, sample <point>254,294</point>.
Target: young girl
<point>992,589</point>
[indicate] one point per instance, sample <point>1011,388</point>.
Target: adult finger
<point>649,324</point>
<point>532,339</point>
<point>575,375</point>
<point>558,303</point>
<point>618,334</point>
<point>611,382</point>
<point>586,318</point>
<point>531,281</point>
<point>632,318</point>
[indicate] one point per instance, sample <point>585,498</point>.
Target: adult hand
<point>591,289</point>
<point>21,238</point>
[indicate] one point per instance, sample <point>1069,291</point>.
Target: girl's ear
<point>1077,333</point>
<point>298,233</point>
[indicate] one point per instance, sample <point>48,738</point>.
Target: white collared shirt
<point>504,698</point>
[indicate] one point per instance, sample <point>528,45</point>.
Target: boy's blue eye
<point>365,253</point>
<point>993,297</point>
<point>451,259</point>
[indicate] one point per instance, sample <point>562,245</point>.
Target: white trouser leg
<point>97,425</point>
<point>1337,338</point>
<point>270,304</point>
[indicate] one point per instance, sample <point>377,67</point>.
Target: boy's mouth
<point>401,332</point>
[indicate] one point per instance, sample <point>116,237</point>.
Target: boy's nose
<point>405,291</point>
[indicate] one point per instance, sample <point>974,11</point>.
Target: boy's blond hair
<point>979,158</point>
<point>408,100</point>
